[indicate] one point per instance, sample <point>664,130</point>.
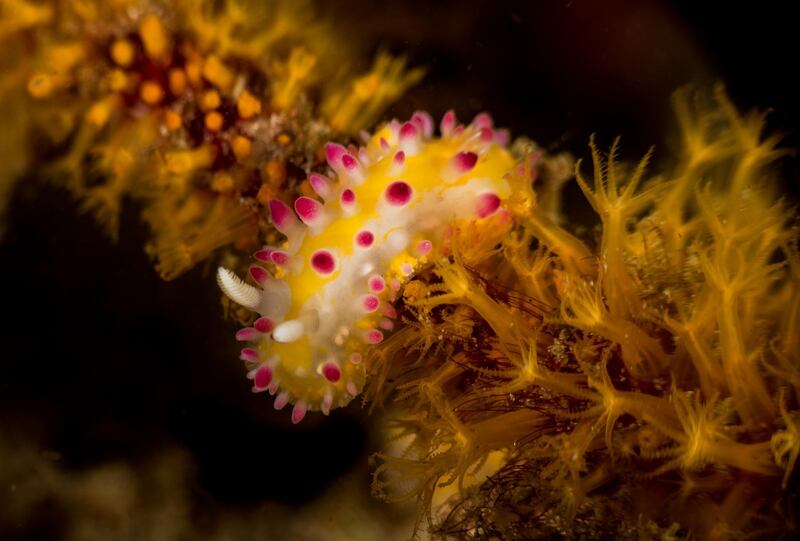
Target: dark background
<point>103,362</point>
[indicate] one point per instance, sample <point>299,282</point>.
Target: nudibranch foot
<point>384,209</point>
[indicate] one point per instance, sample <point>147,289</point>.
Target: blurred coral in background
<point>201,111</point>
<point>156,499</point>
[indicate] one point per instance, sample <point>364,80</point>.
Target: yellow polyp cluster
<point>298,70</point>
<point>207,221</point>
<point>355,106</point>
<point>203,86</point>
<point>653,366</point>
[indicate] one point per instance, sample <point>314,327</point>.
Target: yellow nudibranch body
<point>327,293</point>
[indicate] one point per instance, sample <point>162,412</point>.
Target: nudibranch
<point>326,294</point>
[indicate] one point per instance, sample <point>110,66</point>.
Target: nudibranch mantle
<point>327,293</point>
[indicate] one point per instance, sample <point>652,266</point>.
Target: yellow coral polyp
<point>217,73</point>
<point>298,69</point>
<point>55,73</point>
<point>100,112</point>
<point>202,225</point>
<point>242,146</point>
<point>41,85</point>
<point>248,105</point>
<point>194,71</point>
<point>222,183</point>
<point>156,39</point>
<point>173,120</point>
<point>118,81</point>
<point>151,93</point>
<point>122,52</point>
<point>182,162</point>
<point>177,81</point>
<point>213,121</point>
<point>351,109</point>
<point>210,101</point>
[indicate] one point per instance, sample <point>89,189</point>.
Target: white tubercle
<point>288,331</point>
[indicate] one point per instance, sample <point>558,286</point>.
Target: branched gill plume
<point>639,382</point>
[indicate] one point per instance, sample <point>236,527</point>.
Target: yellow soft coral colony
<point>328,292</point>
<point>197,109</point>
<point>628,385</point>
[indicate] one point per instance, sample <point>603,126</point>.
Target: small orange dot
<point>122,52</point>
<point>210,101</point>
<point>222,182</point>
<point>99,113</point>
<point>151,93</point>
<point>217,73</point>
<point>284,139</point>
<point>174,120</point>
<point>177,81</point>
<point>214,121</point>
<point>265,194</point>
<point>248,105</point>
<point>40,85</point>
<point>242,146</point>
<point>117,80</point>
<point>193,72</point>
